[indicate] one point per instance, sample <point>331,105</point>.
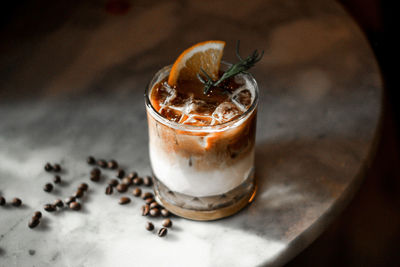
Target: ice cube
<point>243,97</point>
<point>171,114</point>
<point>200,107</point>
<point>199,120</point>
<point>172,93</point>
<point>167,94</point>
<point>226,111</point>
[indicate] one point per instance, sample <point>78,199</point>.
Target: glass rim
<point>198,128</point>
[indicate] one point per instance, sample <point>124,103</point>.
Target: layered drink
<point>202,144</point>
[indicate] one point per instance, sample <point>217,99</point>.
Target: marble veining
<point>73,86</point>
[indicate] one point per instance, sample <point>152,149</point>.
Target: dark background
<point>367,233</point>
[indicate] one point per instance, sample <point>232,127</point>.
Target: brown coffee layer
<point>205,150</point>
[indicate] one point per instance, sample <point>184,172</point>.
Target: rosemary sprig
<point>241,67</point>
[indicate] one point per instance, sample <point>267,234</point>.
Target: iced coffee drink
<point>201,142</point>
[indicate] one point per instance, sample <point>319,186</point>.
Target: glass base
<point>206,208</point>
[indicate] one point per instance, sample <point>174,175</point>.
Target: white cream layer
<point>175,172</point>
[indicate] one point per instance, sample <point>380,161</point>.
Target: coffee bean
<point>127,181</point>
<point>162,232</point>
<point>132,175</point>
<point>16,202</point>
<point>49,207</point>
<point>145,210</point>
<point>33,222</point>
<point>58,203</point>
<point>109,190</point>
<point>112,164</point>
<point>113,182</point>
<point>2,201</point>
<point>48,187</point>
<point>124,200</point>
<point>149,226</point>
<point>165,212</point>
<point>122,188</point>
<point>94,178</point>
<point>95,172</point>
<point>149,200</point>
<point>83,186</point>
<point>37,215</point>
<point>69,200</point>
<point>120,173</point>
<point>91,160</point>
<point>79,193</point>
<point>147,195</point>
<point>154,212</point>
<point>102,163</point>
<point>137,192</point>
<point>138,181</point>
<point>57,167</point>
<point>48,167</point>
<point>147,181</point>
<point>167,223</point>
<point>75,205</point>
<point>154,205</point>
<point>57,179</point>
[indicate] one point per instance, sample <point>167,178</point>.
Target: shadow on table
<point>301,183</point>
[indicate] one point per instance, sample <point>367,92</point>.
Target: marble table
<point>72,77</point>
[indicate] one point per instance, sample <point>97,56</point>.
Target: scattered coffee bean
<point>147,195</point>
<point>145,210</point>
<point>57,167</point>
<point>162,232</point>
<point>167,223</point>
<point>16,202</point>
<point>154,212</point>
<point>79,193</point>
<point>91,160</point>
<point>69,200</point>
<point>109,190</point>
<point>113,182</point>
<point>132,175</point>
<point>137,192</point>
<point>33,222</point>
<point>154,205</point>
<point>102,163</point>
<point>149,200</point>
<point>75,205</point>
<point>94,178</point>
<point>149,226</point>
<point>37,215</point>
<point>57,179</point>
<point>120,173</point>
<point>48,167</point>
<point>58,203</point>
<point>124,200</point>
<point>127,181</point>
<point>48,187</point>
<point>95,172</point>
<point>165,212</point>
<point>83,186</point>
<point>2,201</point>
<point>147,181</point>
<point>122,188</point>
<point>112,164</point>
<point>138,181</point>
<point>49,207</point>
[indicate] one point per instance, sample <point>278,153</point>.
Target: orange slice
<point>205,55</point>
